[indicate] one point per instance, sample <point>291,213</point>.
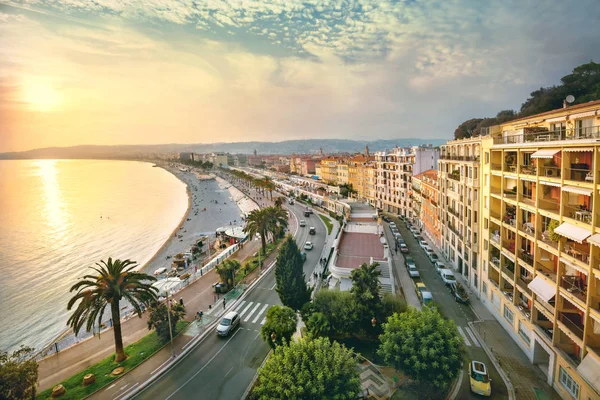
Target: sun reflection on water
<point>55,213</point>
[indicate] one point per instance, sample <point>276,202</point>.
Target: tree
<point>424,345</point>
<point>339,308</point>
<point>278,201</point>
<point>18,374</point>
<point>281,321</point>
<point>227,270</point>
<point>365,289</point>
<point>391,304</point>
<point>265,221</point>
<point>317,325</point>
<point>289,276</point>
<point>159,319</point>
<point>309,369</point>
<point>346,190</point>
<point>114,281</point>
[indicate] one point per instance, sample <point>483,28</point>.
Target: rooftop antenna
<point>568,100</point>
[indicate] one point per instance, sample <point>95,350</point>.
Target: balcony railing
<point>509,245</point>
<point>496,167</point>
<point>547,331</point>
<point>528,169</point>
<point>580,174</point>
<point>575,286</point>
<point>522,282</point>
<point>526,256</point>
<point>510,168</point>
<point>549,205</point>
<point>510,272</point>
<point>572,325</point>
<point>546,272</point>
<point>524,308</point>
<point>495,261</point>
<point>548,306</point>
<point>592,132</point>
<point>577,253</point>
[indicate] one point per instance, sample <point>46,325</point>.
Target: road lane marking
<point>239,305</point>
<point>204,366</point>
<point>246,309</point>
<point>160,366</point>
<point>111,386</point>
<point>273,287</point>
<point>122,395</point>
<point>251,312</point>
<point>475,342</point>
<point>230,369</point>
<point>263,321</point>
<point>259,313</point>
<point>464,336</point>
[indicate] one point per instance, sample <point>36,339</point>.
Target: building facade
<point>540,252</point>
<point>425,204</point>
<point>460,197</point>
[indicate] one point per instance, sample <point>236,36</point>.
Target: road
<point>223,368</point>
<point>461,314</point>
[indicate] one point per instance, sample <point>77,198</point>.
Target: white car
<point>308,246</point>
<point>302,222</point>
<point>413,272</point>
<point>447,276</point>
<point>439,266</point>
<point>423,244</point>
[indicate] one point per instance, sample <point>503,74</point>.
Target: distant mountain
<point>285,147</point>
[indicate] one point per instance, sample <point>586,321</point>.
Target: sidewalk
<point>528,381</point>
<point>197,296</point>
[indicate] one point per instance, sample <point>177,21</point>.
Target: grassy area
<point>418,391</point>
<point>138,352</point>
<point>252,263</point>
<point>327,223</point>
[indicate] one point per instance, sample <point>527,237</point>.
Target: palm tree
<point>268,185</point>
<point>114,281</point>
<point>265,221</point>
<point>278,201</point>
<point>226,271</point>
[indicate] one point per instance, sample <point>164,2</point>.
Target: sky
<point>201,71</point>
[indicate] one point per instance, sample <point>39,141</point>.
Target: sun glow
<point>41,96</point>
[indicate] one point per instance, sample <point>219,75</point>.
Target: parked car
<point>393,224</point>
<point>397,236</point>
<point>302,222</point>
<point>424,293</point>
<point>431,255</point>
<point>479,379</point>
<point>413,272</point>
<point>312,230</point>
<point>439,266</point>
<point>403,246</point>
<point>228,323</point>
<point>303,256</point>
<point>418,238</point>
<point>447,276</point>
<point>414,231</point>
<point>385,218</point>
<point>459,293</point>
<point>394,229</point>
<point>423,244</point>
<point>308,246</point>
<point>408,260</point>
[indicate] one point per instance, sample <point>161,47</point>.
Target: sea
<point>58,218</point>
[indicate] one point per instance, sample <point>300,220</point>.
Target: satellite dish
<point>570,98</point>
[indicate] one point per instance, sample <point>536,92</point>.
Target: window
<point>487,157</point>
<point>485,244</point>
<point>485,223</point>
<point>484,288</point>
<point>508,314</point>
<point>524,332</point>
<point>568,383</point>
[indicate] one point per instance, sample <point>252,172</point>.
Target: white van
<point>447,276</point>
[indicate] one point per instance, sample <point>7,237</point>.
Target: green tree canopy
<point>339,309</point>
<point>317,325</point>
<point>18,374</point>
<point>264,221</point>
<point>309,369</point>
<point>227,270</point>
<point>423,344</point>
<point>281,321</point>
<point>365,289</point>
<point>112,281</point>
<point>159,318</point>
<point>289,276</point>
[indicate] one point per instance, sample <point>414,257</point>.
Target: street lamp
<point>373,322</point>
<point>273,337</point>
<point>170,328</point>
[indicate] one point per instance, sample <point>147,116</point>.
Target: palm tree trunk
<point>263,239</point>
<point>116,317</point>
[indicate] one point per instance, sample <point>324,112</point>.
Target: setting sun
<point>41,96</point>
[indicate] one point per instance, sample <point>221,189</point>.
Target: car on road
<point>393,224</point>
<point>439,266</point>
<point>479,380</point>
<point>414,231</point>
<point>228,323</point>
<point>447,276</point>
<point>402,245</point>
<point>423,244</point>
<point>291,201</point>
<point>302,222</point>
<point>394,229</point>
<point>303,256</point>
<point>413,271</point>
<point>385,218</point>
<point>307,213</point>
<point>431,255</point>
<point>312,230</point>
<point>424,293</point>
<point>408,260</point>
<point>310,211</point>
<point>308,246</point>
<point>459,293</point>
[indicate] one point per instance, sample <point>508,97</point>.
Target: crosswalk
<point>252,311</point>
<point>468,335</point>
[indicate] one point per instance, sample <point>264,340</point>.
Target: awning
<point>583,115</point>
<point>528,179</point>
<point>557,119</point>
<point>578,149</point>
<point>555,184</point>
<point>573,232</point>
<point>590,370</point>
<point>545,153</point>
<point>578,190</point>
<point>542,288</point>
<point>595,239</point>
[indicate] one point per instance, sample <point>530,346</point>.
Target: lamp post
<point>373,322</point>
<point>273,338</point>
<point>170,329</point>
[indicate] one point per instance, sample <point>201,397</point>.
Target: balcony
<point>528,169</point>
<point>578,212</point>
<point>496,167</point>
<point>573,323</point>
<point>509,270</point>
<point>455,175</point>
<point>509,245</point>
<point>546,328</point>
<point>551,205</point>
<point>510,168</point>
<point>511,193</point>
<point>580,173</point>
<point>548,273</point>
<point>453,212</point>
<point>522,282</point>
<point>544,135</point>
<point>508,291</point>
<point>526,256</point>
<point>495,262</point>
<point>574,285</point>
<point>548,306</point>
<point>577,252</point>
<point>523,306</point>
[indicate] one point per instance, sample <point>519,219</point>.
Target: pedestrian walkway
<point>404,279</point>
<point>253,312</point>
<point>374,384</point>
<point>468,337</point>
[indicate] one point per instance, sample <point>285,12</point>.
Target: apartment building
<point>329,172</point>
<point>342,171</point>
<point>460,198</point>
<point>425,204</point>
<point>540,252</point>
<point>358,174</point>
<point>395,169</point>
